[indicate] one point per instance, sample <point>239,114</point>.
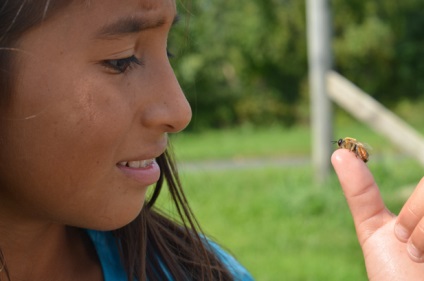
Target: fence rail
<point>368,110</point>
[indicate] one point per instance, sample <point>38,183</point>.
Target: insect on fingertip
<point>355,146</point>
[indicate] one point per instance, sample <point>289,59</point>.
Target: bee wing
<point>367,147</point>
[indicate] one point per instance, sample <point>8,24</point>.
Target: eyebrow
<point>130,25</point>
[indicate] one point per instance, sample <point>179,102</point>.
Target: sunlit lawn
<point>274,142</point>
<point>276,220</point>
<point>277,223</point>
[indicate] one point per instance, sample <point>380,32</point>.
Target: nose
<point>168,110</point>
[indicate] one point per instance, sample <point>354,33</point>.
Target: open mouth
<point>137,164</point>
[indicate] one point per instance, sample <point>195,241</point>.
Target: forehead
<point>86,18</point>
<point>75,27</point>
<point>112,8</point>
<point>97,12</point>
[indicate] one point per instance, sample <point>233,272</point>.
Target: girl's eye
<point>122,65</point>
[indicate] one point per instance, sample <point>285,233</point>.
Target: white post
<point>320,61</point>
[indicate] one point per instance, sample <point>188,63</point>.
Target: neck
<point>47,252</point>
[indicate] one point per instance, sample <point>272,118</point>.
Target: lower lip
<point>145,176</point>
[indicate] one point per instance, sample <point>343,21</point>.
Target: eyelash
<point>124,64</point>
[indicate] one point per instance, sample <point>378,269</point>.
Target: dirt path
<point>293,161</point>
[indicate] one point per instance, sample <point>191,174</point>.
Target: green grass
<point>276,220</point>
<point>273,142</point>
<point>241,143</point>
<point>277,223</point>
<point>282,226</point>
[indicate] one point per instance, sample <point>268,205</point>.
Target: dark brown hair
<point>153,241</point>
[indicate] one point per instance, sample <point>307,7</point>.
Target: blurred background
<point>245,159</point>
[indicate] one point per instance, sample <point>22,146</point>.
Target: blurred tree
<point>245,62</point>
<point>380,46</point>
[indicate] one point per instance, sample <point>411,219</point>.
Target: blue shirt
<point>112,268</point>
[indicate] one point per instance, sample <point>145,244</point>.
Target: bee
<point>355,146</point>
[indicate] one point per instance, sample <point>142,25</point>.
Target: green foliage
<point>246,62</point>
<point>379,46</point>
<point>242,64</point>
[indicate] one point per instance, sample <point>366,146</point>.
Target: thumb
<point>361,192</point>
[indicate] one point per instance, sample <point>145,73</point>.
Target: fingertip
<point>414,253</point>
<point>401,232</point>
<point>339,156</point>
<point>352,172</point>
<point>343,158</point>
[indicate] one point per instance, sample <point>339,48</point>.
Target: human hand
<point>409,227</point>
<point>386,257</point>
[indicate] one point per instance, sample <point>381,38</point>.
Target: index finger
<point>361,192</point>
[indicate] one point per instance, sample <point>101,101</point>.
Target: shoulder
<point>239,272</point>
<point>108,253</point>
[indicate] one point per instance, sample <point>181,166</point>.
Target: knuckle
<point>420,227</point>
<point>413,211</point>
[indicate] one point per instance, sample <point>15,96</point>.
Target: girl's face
<point>94,94</point>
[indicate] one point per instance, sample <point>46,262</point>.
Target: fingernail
<point>401,233</point>
<point>413,251</point>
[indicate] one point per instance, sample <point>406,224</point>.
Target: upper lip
<point>159,150</point>
<point>140,158</point>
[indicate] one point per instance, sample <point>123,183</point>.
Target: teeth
<point>137,164</point>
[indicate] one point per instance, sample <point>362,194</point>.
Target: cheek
<point>60,159</point>
<point>73,127</point>
<point>63,172</point>
<point>62,125</point>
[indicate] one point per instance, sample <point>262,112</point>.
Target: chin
<point>115,220</point>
